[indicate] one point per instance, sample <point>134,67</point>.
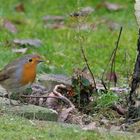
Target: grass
<point>13,127</point>
<point>106,100</point>
<point>60,45</point>
<point>25,130</point>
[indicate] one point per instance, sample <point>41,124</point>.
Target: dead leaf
<point>113,89</point>
<point>112,76</point>
<point>53,18</point>
<point>120,89</point>
<point>22,50</point>
<point>55,26</point>
<point>119,109</point>
<point>91,126</point>
<point>112,6</point>
<point>104,121</point>
<point>64,114</point>
<point>87,10</point>
<point>20,7</point>
<point>70,92</point>
<point>113,25</point>
<point>54,22</point>
<point>9,26</point>
<point>115,128</point>
<point>83,12</point>
<point>53,103</point>
<point>84,26</point>
<point>30,42</point>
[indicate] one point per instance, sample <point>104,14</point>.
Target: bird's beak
<point>39,61</point>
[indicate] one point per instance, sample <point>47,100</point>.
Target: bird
<point>19,74</point>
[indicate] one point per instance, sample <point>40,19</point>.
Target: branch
<point>112,59</point>
<point>82,50</point>
<point>86,61</point>
<point>65,99</point>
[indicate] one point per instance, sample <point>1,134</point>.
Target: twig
<point>102,79</point>
<point>103,83</point>
<point>61,96</point>
<point>82,50</point>
<point>86,61</point>
<point>114,55</point>
<point>31,96</point>
<point>112,59</point>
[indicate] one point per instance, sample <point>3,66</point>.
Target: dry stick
<point>61,96</point>
<point>102,79</point>
<point>84,56</point>
<point>112,59</point>
<point>114,56</point>
<point>86,61</point>
<point>31,96</point>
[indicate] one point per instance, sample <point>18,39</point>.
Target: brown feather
<point>3,76</point>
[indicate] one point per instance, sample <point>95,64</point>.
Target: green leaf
<point>85,82</point>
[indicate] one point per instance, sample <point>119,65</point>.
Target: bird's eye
<point>30,60</point>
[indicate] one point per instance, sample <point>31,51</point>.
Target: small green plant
<point>106,100</point>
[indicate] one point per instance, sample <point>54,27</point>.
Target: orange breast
<point>28,74</point>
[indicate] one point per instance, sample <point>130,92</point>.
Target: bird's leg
<point>9,97</point>
<point>11,103</point>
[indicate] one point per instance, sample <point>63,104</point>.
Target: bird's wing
<point>3,76</point>
<point>137,11</point>
<point>7,73</point>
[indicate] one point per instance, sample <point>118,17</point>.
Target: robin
<point>19,74</point>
